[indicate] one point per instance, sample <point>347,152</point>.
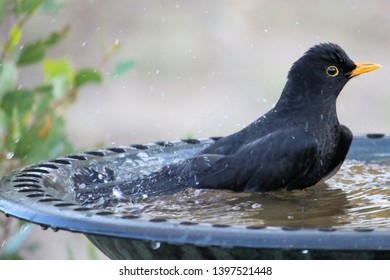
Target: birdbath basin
<point>348,217</point>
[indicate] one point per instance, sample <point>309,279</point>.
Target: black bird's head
<point>322,72</point>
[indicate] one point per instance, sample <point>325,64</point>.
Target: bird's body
<point>296,144</point>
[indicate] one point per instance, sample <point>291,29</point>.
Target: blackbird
<point>293,146</point>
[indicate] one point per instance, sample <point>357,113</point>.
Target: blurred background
<point>203,68</point>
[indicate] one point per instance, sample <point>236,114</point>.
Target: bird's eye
<point>332,71</point>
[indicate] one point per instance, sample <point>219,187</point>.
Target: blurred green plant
<point>32,126</point>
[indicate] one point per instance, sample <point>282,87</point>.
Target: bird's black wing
<point>281,159</point>
<point>342,149</point>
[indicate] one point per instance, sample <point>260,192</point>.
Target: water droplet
<point>117,192</point>
<point>155,245</point>
<point>266,30</point>
<point>256,205</point>
<point>83,44</point>
<point>290,217</point>
<point>157,71</point>
<point>305,251</point>
<point>142,155</point>
<point>198,192</point>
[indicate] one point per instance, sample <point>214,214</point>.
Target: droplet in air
<point>24,227</point>
<point>10,155</point>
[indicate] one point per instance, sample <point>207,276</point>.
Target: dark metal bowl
<point>42,194</point>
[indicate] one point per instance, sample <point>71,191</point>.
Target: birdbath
<point>346,218</point>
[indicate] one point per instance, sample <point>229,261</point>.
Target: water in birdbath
<point>358,196</point>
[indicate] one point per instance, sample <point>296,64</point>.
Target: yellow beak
<point>364,67</point>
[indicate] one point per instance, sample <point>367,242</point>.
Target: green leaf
<point>85,76</point>
<point>123,66</point>
<point>17,106</point>
<point>57,68</point>
<point>15,35</point>
<point>46,139</point>
<point>26,6</point>
<point>44,97</point>
<point>57,36</point>
<point>35,51</point>
<point>22,100</point>
<point>8,77</point>
<point>59,73</point>
<point>32,53</point>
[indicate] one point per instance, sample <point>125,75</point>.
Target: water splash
<point>155,245</point>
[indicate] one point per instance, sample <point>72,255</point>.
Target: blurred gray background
<point>207,68</point>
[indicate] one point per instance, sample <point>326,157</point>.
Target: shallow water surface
<point>358,196</point>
